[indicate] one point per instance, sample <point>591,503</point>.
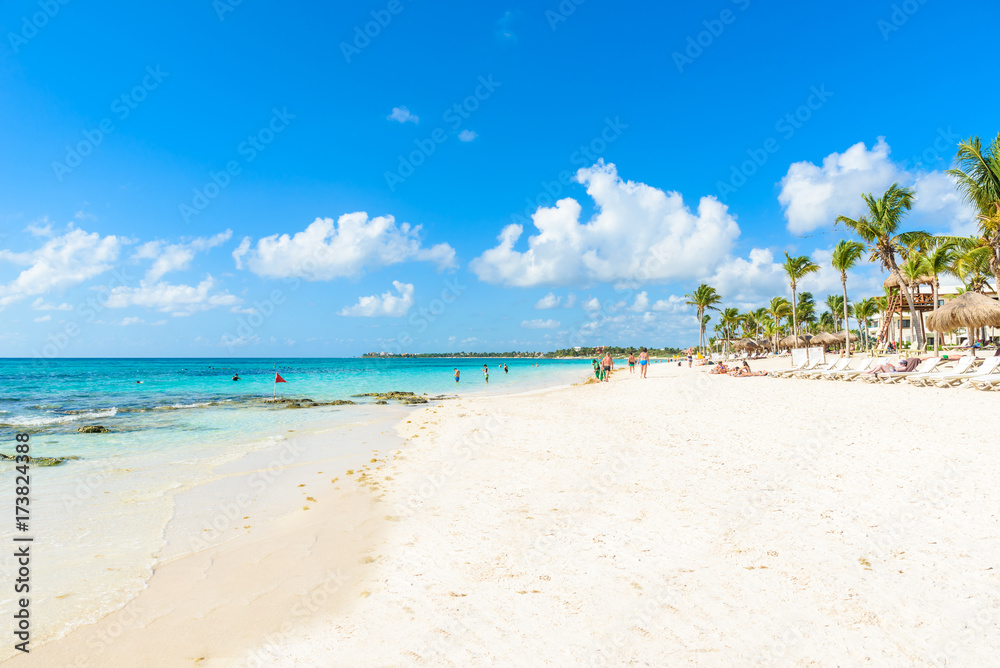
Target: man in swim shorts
<point>608,363</point>
<point>457,374</point>
<point>631,362</point>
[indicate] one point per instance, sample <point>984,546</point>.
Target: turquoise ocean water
<point>152,404</point>
<point>102,522</point>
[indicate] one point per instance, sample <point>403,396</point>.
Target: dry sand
<point>685,519</point>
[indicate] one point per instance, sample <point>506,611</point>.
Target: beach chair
<point>988,367</point>
<point>780,373</point>
<point>851,374</point>
<point>837,365</point>
<point>928,379</point>
<point>927,366</point>
<point>845,366</point>
<point>986,381</point>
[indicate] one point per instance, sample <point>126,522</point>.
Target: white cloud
<point>388,304</point>
<point>467,135</point>
<point>592,305</point>
<point>402,115</point>
<point>177,300</point>
<point>326,249</point>
<point>641,303</point>
<point>61,263</point>
<point>672,305</point>
<point>174,257</point>
<point>570,300</point>
<point>548,301</point>
<point>42,228</point>
<point>813,196</point>
<point>83,215</point>
<point>131,321</point>
<point>40,305</point>
<point>639,233</point>
<point>538,323</point>
<point>44,318</point>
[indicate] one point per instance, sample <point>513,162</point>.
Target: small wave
<point>41,420</point>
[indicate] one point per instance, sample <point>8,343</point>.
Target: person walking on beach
<point>631,362</point>
<point>457,374</point>
<point>608,364</point>
<point>643,363</point>
<point>690,360</point>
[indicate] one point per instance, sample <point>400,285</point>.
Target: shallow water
<point>100,522</point>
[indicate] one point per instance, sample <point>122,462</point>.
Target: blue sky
<point>153,158</point>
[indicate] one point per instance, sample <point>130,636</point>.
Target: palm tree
<point>863,310</point>
<point>779,308</point>
<point>938,259</point>
<point>704,297</point>
<point>845,255</point>
<point>977,176</point>
<point>730,319</point>
<point>797,268</point>
<point>805,310</point>
<point>879,228</point>
<point>836,305</point>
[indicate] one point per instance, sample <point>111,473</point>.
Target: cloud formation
<point>173,257</point>
<point>402,115</point>
<point>388,305</point>
<point>326,250</point>
<point>814,195</point>
<point>639,233</point>
<point>62,262</point>
<point>538,323</point>
<point>177,300</point>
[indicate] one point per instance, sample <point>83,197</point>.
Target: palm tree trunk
<point>795,320</point>
<point>937,335</point>
<point>914,321</point>
<point>847,321</point>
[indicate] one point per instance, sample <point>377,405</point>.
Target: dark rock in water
<point>94,429</point>
<point>41,461</point>
<point>413,400</point>
<point>381,402</point>
<point>340,402</point>
<point>308,403</point>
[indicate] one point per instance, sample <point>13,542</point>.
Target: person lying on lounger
<point>746,372</point>
<point>902,366</point>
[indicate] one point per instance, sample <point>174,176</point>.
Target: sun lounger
<point>851,374</point>
<point>927,366</point>
<point>832,373</point>
<point>928,379</point>
<point>986,381</point>
<point>838,365</point>
<point>988,366</point>
<point>780,373</point>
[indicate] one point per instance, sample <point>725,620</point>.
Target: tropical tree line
<point>912,257</point>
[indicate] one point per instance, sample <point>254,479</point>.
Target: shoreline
<point>700,532</point>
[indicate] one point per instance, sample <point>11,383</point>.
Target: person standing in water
<point>486,373</point>
<point>643,363</point>
<point>505,368</point>
<point>457,373</point>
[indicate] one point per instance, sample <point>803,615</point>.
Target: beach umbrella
<point>840,337</point>
<point>745,344</point>
<point>826,339</point>
<point>793,342</point>
<point>969,309</point>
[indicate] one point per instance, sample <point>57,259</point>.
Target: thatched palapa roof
<point>891,282</point>
<point>969,309</point>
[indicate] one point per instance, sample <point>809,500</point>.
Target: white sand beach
<point>685,519</point>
